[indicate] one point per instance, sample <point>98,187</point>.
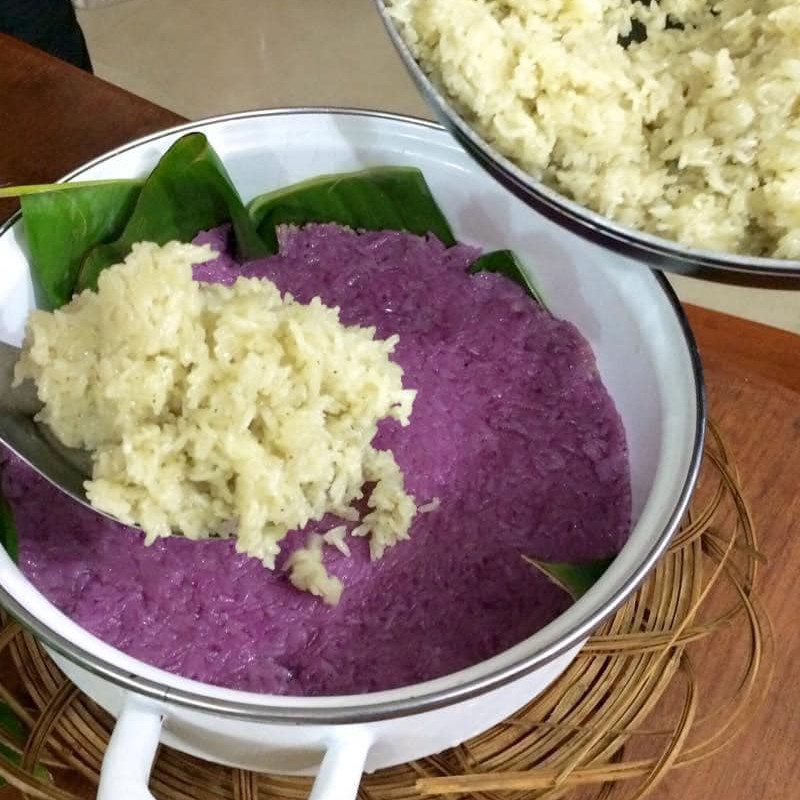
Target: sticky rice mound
<point>679,117</point>
<point>213,409</point>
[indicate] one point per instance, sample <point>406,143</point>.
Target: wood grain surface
<point>54,117</point>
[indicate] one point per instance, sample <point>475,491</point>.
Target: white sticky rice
<point>211,409</point>
<point>692,134</point>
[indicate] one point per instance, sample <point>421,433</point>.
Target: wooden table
<point>54,117</point>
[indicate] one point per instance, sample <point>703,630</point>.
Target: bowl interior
<point>643,348</point>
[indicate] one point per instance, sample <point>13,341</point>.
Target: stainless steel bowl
<point>654,251</point>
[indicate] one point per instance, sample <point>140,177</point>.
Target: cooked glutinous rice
<point>336,537</point>
<point>307,572</point>
<point>427,508</point>
<point>692,134</point>
<point>211,407</point>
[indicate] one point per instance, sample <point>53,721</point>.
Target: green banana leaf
<point>13,728</point>
<point>63,223</point>
<point>506,263</point>
<point>75,230</point>
<point>9,723</point>
<point>575,579</point>
<point>189,190</point>
<point>376,199</point>
<point>8,531</point>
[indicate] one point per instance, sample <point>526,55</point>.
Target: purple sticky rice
<point>512,430</point>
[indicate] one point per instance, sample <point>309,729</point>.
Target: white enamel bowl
<point>649,363</point>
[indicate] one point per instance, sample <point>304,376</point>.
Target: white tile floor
<point>206,57</point>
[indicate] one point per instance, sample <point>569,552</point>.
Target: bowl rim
<point>353,709</point>
<point>599,229</point>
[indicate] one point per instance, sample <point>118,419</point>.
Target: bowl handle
<point>342,766</point>
<point>132,749</point>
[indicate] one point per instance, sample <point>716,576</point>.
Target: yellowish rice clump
<point>214,408</point>
<point>308,574</point>
<point>692,134</point>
